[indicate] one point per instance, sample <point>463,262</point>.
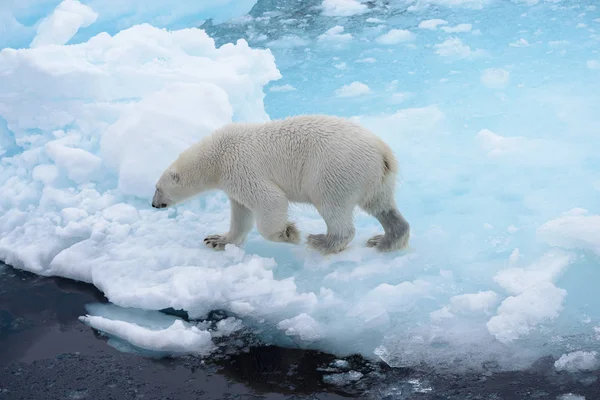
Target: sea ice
<point>497,148</point>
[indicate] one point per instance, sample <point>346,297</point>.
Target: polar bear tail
<point>390,164</point>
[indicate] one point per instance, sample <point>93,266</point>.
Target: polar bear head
<point>192,173</point>
<point>169,189</point>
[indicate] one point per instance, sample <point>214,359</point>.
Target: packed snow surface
<point>495,127</point>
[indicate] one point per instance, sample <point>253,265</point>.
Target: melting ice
<point>491,107</point>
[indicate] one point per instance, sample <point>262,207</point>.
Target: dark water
<point>46,353</point>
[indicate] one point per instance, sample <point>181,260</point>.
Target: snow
<point>499,173</point>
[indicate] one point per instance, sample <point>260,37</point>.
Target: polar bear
<point>329,162</point>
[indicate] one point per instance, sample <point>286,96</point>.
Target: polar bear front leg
<point>240,225</point>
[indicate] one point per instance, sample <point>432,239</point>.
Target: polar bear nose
<point>161,205</point>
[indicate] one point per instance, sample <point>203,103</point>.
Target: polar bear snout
<point>158,200</point>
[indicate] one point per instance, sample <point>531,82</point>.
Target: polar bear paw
<point>327,244</point>
<point>290,234</point>
<point>375,241</point>
<point>383,243</point>
<point>217,242</point>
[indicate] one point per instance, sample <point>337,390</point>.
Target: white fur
<point>329,162</point>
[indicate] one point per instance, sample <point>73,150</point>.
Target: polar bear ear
<point>175,176</point>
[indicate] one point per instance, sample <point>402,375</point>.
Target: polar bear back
<point>304,156</point>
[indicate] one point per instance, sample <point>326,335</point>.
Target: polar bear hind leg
<point>340,228</point>
<point>396,229</point>
<point>271,212</point>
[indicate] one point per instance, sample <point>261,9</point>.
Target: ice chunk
<point>227,326</point>
<point>432,24</point>
<point>473,302</point>
<point>547,269</point>
<point>341,364</point>
<point>520,43</point>
<point>177,338</point>
<point>343,8</point>
<point>353,89</point>
<point>572,232</point>
<point>172,111</point>
<point>303,326</point>
<point>517,315</point>
<point>63,23</point>
<point>343,378</point>
<point>395,36</point>
<point>468,304</point>
<point>453,47</point>
<point>108,69</point>
<point>149,330</point>
<point>578,361</point>
<point>460,28</point>
<point>335,35</point>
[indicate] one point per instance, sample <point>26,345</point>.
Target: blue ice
<point>490,106</point>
